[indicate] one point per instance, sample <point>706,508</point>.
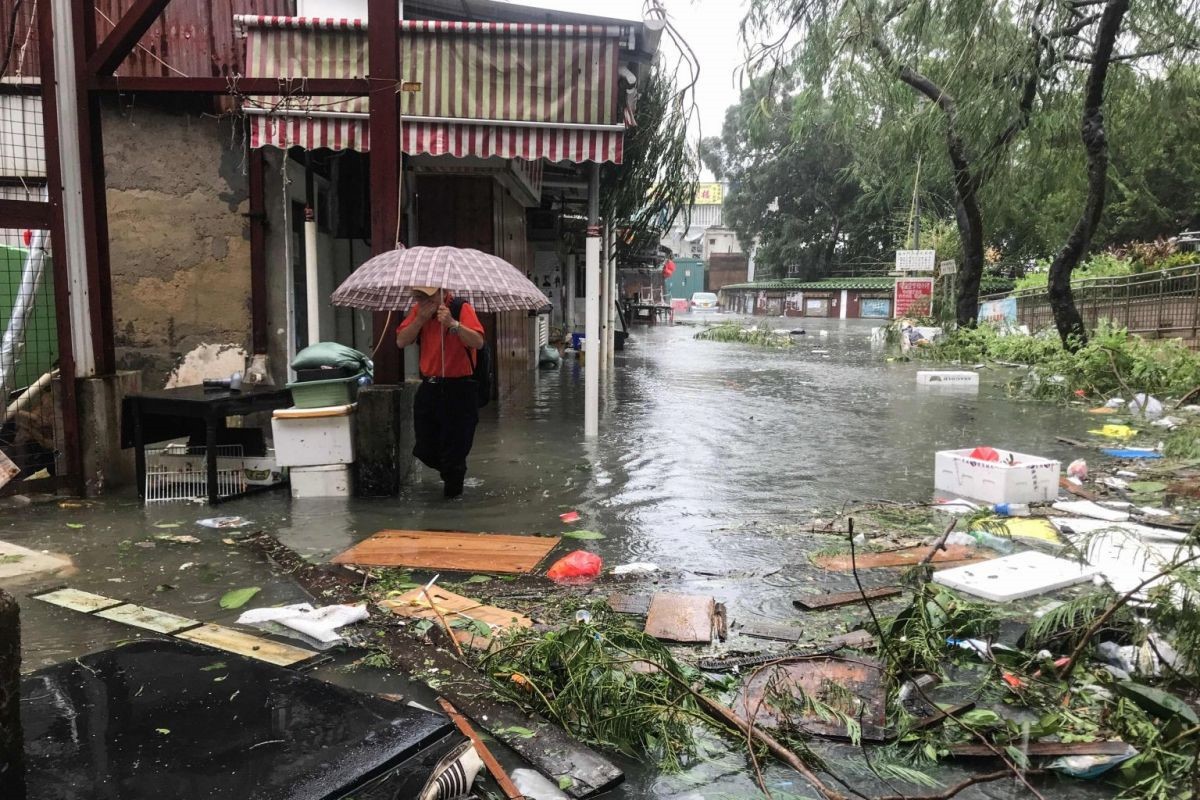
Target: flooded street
<point>712,462</point>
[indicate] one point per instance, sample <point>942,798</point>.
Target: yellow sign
<point>709,194</point>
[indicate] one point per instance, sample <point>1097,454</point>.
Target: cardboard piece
<point>454,609</point>
<point>147,618</point>
<point>906,557</point>
<point>8,470</point>
<point>245,644</point>
<point>686,618</point>
<point>1014,577</point>
<point>461,552</point>
<point>1085,508</point>
<point>820,602</point>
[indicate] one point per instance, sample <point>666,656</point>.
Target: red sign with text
<point>914,297</point>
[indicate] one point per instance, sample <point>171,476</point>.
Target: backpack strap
<point>456,305</point>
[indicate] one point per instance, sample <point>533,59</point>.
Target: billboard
<point>709,194</point>
<point>914,297</point>
<point>1003,311</point>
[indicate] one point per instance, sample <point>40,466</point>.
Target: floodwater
<point>712,462</point>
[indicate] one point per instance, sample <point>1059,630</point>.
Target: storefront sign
<point>914,297</point>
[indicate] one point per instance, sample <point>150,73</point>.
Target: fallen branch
<point>940,544</point>
<point>959,787</point>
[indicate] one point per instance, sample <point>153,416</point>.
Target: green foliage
<point>1064,625</point>
<point>1101,265</point>
<point>606,682</point>
<point>761,335</point>
<point>917,635</point>
<point>1183,443</point>
<point>1112,362</point>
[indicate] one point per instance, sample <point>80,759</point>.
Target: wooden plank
<point>905,557</point>
<point>1037,749</point>
<point>685,618</point>
<point>1065,484</point>
<point>493,766</point>
<point>245,644</point>
<point>414,605</point>
<point>147,618</point>
<point>767,630</point>
<point>77,600</point>
<point>835,599</point>
<point>551,750</point>
<point>638,604</point>
<point>132,25</point>
<point>462,552</point>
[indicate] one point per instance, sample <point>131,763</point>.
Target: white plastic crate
<point>333,480</point>
<point>180,473</point>
<point>1015,478</point>
<point>314,437</point>
<point>262,471</point>
<point>956,378</point>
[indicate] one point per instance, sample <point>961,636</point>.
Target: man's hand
<point>426,311</point>
<point>446,318</point>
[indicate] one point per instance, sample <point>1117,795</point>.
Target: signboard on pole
<point>915,260</point>
<point>948,267</point>
<point>914,297</point>
<point>999,312</point>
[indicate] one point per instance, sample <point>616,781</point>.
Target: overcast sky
<point>709,26</point>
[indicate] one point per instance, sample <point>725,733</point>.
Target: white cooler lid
<point>314,413</point>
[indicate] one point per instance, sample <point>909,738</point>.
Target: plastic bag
<point>579,566</point>
<point>332,354</point>
<point>1144,406</point>
<point>1078,469</point>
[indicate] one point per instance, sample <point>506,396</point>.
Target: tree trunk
<point>12,740</point>
<point>1062,301</point>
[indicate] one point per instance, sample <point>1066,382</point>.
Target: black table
<point>168,414</point>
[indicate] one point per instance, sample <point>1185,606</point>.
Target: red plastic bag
<point>985,454</point>
<point>577,567</point>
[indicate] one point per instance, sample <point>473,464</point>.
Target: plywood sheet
<point>906,557</point>
<point>638,604</point>
<point>245,644</point>
<point>465,552</point>
<point>456,610</point>
<point>819,602</point>
<point>20,563</point>
<point>147,618</point>
<point>686,618</point>
<point>77,600</point>
<point>1014,577</point>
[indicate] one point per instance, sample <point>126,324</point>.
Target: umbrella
<point>487,282</point>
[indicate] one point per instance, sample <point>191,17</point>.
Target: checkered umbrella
<point>488,283</point>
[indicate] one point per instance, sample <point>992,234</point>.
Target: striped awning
<point>470,88</point>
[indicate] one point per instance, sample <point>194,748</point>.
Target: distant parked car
<point>704,301</point>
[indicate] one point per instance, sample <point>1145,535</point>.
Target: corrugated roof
<point>795,284</point>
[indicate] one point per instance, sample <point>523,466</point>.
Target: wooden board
<point>769,630</point>
<point>76,600</point>
<point>460,552</point>
<point>906,557</point>
<point>453,607</point>
<point>245,644</point>
<point>8,470</point>
<point>685,618</point>
<point>19,564</point>
<point>147,618</point>
<point>638,604</point>
<point>820,602</point>
<point>1045,749</point>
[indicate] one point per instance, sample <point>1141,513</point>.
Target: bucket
<point>577,340</point>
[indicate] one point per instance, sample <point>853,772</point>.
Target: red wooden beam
<point>25,214</point>
<point>124,37</point>
<point>384,50</point>
<point>311,86</point>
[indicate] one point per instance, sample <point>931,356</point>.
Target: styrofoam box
<point>332,480</point>
<point>1028,479</point>
<point>314,437</point>
<point>947,378</point>
<point>262,471</point>
<point>1015,577</point>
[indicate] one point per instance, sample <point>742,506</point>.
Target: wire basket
<point>180,473</point>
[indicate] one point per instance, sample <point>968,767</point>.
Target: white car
<point>704,301</point>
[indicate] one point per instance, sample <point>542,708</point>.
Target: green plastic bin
<point>319,394</point>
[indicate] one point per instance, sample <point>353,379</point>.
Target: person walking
<point>446,409</point>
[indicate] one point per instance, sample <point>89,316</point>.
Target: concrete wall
<point>179,243</point>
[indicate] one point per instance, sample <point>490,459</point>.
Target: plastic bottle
<point>1011,509</point>
<point>991,541</point>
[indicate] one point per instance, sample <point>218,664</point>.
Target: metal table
<point>168,414</point>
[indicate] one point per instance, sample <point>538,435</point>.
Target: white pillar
<point>591,370</point>
<point>842,310</point>
<point>569,305</point>
<point>312,278</point>
<point>71,170</point>
<point>610,343</point>
<point>605,298</point>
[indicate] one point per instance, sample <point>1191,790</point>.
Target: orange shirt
<point>459,362</point>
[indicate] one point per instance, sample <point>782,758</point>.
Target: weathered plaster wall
<point>180,246</point>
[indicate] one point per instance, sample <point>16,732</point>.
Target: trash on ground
<point>1143,405</point>
<point>1044,749</point>
<point>177,538</point>
<point>835,599</point>
<point>1085,508</point>
<point>576,567</point>
<point>8,469</point>
<point>818,696</point>
<point>635,568</point>
<point>1114,432</point>
<point>1124,553</point>
<point>77,600</point>
<point>1078,469</point>
<point>1090,767</point>
<point>319,624</point>
<point>224,523</point>
<point>459,552</point>
<point>473,623</point>
<point>684,618</point>
<point>769,630</point>
<point>1037,528</point>
<point>957,506</point>
<point>996,476</point>
<point>638,605</point>
<point>534,786</point>
<point>236,598</point>
<point>1014,577</point>
<point>583,535</point>
<point>21,563</point>
<point>904,557</point>
<point>148,619</point>
<point>1134,453</point>
<point>570,517</point>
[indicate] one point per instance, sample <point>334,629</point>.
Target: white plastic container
<point>314,437</point>
<point>955,378</point>
<point>1015,478</point>
<point>262,471</point>
<point>333,480</point>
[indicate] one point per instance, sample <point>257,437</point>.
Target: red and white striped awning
<point>486,89</point>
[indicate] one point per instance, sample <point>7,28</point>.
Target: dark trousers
<point>444,418</point>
